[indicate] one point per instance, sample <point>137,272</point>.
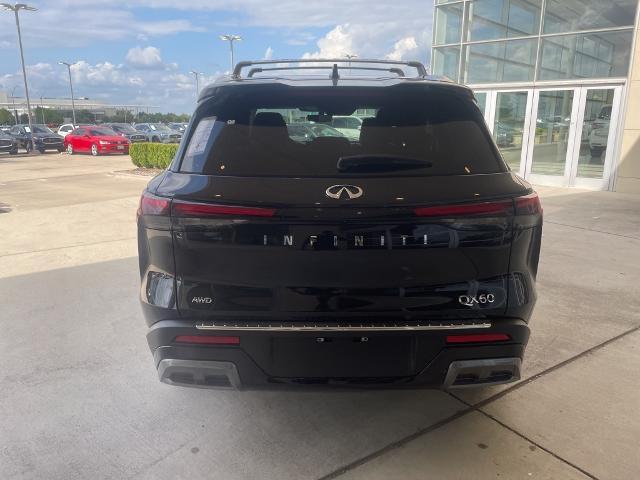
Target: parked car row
<point>95,139</point>
<point>140,132</point>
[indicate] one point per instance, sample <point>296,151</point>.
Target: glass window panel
<point>571,15</point>
<point>552,132</point>
<point>448,24</point>
<point>445,62</point>
<point>595,132</point>
<point>510,61</point>
<point>481,99</point>
<point>508,127</point>
<point>586,55</point>
<point>493,19</point>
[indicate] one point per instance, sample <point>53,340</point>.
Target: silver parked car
<point>158,132</point>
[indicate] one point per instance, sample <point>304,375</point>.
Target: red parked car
<point>95,139</point>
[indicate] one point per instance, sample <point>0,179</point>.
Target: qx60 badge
<point>340,192</point>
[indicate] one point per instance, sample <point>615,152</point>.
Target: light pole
<point>13,101</point>
<point>73,102</point>
<point>231,38</point>
<point>197,75</point>
<point>350,56</point>
<point>15,9</point>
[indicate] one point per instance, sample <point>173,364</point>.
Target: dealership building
<point>558,82</point>
<point>18,105</point>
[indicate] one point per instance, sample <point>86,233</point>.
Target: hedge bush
<point>152,155</point>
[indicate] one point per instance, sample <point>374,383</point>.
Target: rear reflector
<point>503,207</point>
<point>478,338</point>
<point>153,205</point>
<point>528,205</point>
<point>186,209</point>
<point>208,340</point>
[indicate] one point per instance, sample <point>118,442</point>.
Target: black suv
<point>407,257</point>
<point>43,138</point>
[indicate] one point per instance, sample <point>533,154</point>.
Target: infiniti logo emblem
<point>344,191</point>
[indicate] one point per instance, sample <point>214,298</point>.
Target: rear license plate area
<point>342,356</point>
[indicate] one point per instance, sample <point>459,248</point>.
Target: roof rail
<point>391,66</point>
<point>397,71</point>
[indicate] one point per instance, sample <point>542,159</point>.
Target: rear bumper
<point>251,364</point>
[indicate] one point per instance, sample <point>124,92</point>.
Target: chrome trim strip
<point>290,327</point>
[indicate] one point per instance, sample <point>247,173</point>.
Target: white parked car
<point>65,129</point>
<point>349,126</point>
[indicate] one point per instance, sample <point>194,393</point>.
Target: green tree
<point>6,117</point>
<point>50,116</point>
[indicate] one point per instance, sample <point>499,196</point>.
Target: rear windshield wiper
<point>380,162</point>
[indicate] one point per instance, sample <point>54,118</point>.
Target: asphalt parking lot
<point>79,396</point>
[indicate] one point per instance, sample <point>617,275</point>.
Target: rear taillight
<point>502,207</point>
<point>528,205</point>
<point>208,339</point>
<point>478,338</point>
<point>188,209</point>
<point>153,205</point>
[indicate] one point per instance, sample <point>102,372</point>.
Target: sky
<point>141,51</point>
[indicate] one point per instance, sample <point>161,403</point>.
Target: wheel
<point>94,150</point>
<point>41,150</point>
<point>70,149</point>
<point>155,140</point>
<point>14,152</point>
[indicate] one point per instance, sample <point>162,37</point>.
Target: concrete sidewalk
<point>80,399</point>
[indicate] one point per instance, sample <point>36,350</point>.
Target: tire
<point>70,149</point>
<point>41,150</point>
<point>155,140</point>
<point>14,152</point>
<point>94,150</point>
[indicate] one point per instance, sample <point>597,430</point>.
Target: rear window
<point>284,131</point>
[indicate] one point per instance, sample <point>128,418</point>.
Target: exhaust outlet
<point>480,373</point>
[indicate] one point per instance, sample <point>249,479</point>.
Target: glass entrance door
<point>555,136</point>
<point>551,137</point>
<point>507,116</point>
<point>597,127</point>
<point>572,142</point>
<point>509,124</point>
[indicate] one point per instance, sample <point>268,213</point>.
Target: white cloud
<point>391,40</point>
<point>148,57</point>
<point>268,54</point>
<point>403,48</point>
<point>335,44</point>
